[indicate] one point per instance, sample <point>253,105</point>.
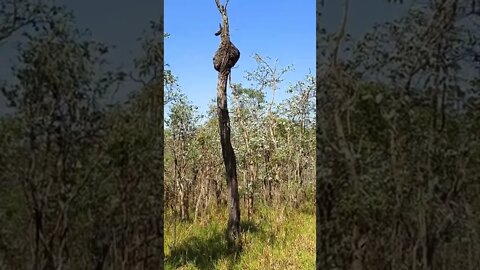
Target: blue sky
<point>283,30</point>
<point>116,22</point>
<point>362,14</point>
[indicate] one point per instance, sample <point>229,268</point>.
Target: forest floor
<point>275,238</point>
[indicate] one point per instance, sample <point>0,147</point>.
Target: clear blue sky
<point>362,14</point>
<point>116,22</point>
<point>283,30</point>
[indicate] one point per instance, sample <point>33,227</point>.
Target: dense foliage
<point>80,181</point>
<point>398,145</point>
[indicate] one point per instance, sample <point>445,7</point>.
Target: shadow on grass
<point>204,253</point>
<point>249,226</point>
<point>252,227</point>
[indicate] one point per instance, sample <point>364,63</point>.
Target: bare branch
<point>219,30</point>
<point>341,33</point>
<point>219,6</point>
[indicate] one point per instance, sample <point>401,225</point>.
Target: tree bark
<point>233,227</point>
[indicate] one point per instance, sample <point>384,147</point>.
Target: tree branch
<point>221,8</point>
<point>341,33</point>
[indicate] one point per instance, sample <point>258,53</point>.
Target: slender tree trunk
<point>233,227</point>
<point>218,197</point>
<point>225,58</point>
<point>200,196</point>
<point>252,180</point>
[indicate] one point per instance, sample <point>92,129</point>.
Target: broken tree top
<point>227,54</point>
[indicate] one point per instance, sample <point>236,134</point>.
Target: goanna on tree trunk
<point>225,58</point>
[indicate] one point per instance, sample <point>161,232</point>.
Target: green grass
<point>275,238</point>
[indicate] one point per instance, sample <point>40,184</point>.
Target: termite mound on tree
<point>226,56</point>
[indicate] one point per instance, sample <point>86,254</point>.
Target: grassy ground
<point>276,238</point>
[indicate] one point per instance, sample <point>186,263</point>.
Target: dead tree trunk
<point>225,58</point>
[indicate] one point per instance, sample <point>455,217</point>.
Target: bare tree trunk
<point>200,197</point>
<point>217,187</point>
<point>225,58</point>
<point>253,179</point>
<point>233,228</point>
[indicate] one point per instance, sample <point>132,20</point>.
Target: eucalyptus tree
<point>249,112</point>
<point>299,129</point>
<point>182,123</point>
<point>268,76</point>
<point>56,97</point>
<point>392,154</point>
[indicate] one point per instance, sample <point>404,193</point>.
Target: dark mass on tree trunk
<point>226,56</point>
